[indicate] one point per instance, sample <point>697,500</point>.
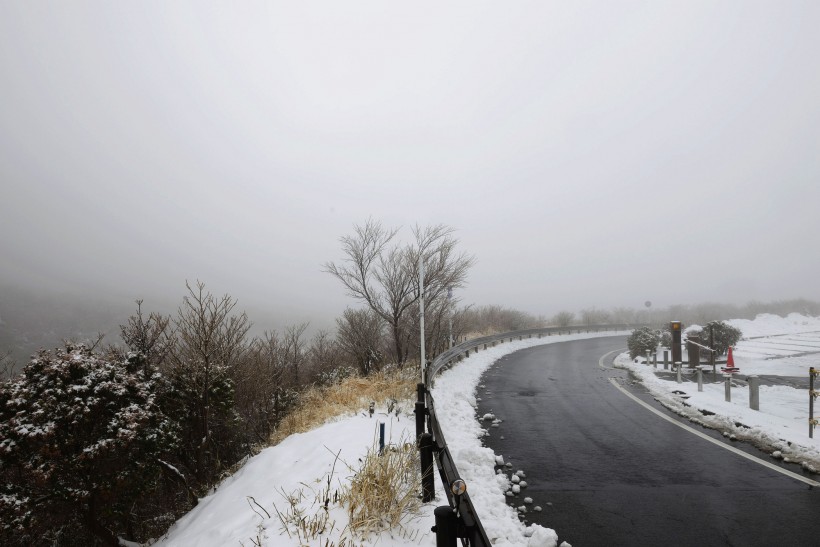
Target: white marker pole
<point>421,311</point>
<point>450,314</point>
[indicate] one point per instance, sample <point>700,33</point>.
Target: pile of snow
<point>767,324</point>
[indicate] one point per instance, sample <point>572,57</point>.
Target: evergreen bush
<point>641,340</point>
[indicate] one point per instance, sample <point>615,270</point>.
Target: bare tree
<point>294,351</point>
<point>563,318</point>
<point>360,334</point>
<point>594,316</point>
<point>493,318</point>
<point>384,274</point>
<point>152,337</point>
<point>7,365</point>
<point>261,387</point>
<point>323,355</point>
<point>209,344</point>
<point>623,314</point>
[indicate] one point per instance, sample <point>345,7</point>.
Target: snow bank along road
<point>609,472</point>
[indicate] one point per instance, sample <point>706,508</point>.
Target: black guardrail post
<point>428,483</point>
<point>420,411</point>
<point>446,528</point>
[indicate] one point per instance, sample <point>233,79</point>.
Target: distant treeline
<point>492,318</point>
<point>699,314</point>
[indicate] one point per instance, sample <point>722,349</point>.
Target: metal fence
<point>459,520</point>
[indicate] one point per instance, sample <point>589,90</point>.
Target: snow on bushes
<point>80,439</point>
<point>641,340</point>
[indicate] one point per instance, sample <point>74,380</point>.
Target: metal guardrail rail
<point>460,519</point>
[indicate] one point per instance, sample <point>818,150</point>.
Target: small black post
<point>446,527</point>
<point>677,354</point>
<point>812,395</point>
<point>427,478</point>
<point>381,438</point>
<point>420,411</point>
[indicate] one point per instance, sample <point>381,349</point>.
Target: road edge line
<point>737,451</point>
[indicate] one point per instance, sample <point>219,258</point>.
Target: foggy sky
<point>588,153</point>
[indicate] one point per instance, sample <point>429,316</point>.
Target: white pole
<point>421,311</point>
<point>450,313</point>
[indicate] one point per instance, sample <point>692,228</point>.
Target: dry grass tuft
<point>318,405</point>
<point>383,492</point>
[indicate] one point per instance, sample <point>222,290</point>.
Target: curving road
<point>609,472</point>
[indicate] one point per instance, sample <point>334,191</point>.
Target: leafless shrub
<point>153,337</point>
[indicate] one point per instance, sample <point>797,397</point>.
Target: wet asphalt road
<point>609,472</point>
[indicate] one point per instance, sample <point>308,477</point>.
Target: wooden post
<point>693,350</point>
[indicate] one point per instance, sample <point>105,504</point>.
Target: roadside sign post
<point>677,353</point>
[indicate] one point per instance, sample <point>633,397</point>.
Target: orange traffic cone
<point>730,364</point>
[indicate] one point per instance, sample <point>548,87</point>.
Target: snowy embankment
<point>771,346</point>
<point>286,483</point>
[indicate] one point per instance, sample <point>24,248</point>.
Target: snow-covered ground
<point>771,346</point>
<point>243,509</point>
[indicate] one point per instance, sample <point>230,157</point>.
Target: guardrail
<point>459,519</point>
